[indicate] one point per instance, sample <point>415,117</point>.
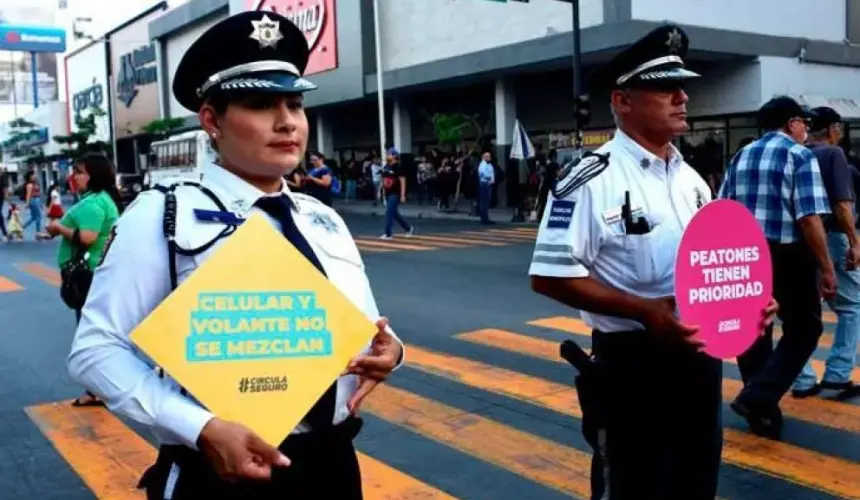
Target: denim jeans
<point>846,304</point>
<point>35,207</point>
<point>350,189</point>
<point>392,204</point>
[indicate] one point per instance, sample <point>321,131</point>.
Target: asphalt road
<point>483,409</point>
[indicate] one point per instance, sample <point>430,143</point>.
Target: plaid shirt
<point>779,181</point>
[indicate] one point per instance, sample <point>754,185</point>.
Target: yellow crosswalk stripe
<point>372,249</point>
<point>512,234</point>
<point>7,285</point>
<point>110,458</point>
<point>394,245</point>
<point>428,240</point>
<point>578,327</point>
<point>47,274</point>
<point>816,411</point>
<point>561,467</point>
<point>521,239</point>
<point>806,467</point>
<point>462,242</point>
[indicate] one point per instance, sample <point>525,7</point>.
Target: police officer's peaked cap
<point>252,51</point>
<point>655,60</point>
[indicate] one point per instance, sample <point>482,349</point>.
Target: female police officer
<point>244,79</point>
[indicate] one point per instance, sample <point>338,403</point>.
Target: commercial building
<point>32,147</point>
<point>501,61</point>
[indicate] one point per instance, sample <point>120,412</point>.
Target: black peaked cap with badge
<point>250,51</point>
<point>654,61</point>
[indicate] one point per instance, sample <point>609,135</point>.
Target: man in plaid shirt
<point>778,179</point>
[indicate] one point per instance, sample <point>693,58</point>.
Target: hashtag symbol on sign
<point>243,384</point>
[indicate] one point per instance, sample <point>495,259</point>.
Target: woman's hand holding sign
<point>237,453</point>
<point>374,367</point>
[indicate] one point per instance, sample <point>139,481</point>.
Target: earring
<point>214,135</point>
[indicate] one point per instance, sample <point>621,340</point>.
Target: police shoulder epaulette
<point>578,172</point>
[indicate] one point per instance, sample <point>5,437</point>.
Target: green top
<point>94,212</point>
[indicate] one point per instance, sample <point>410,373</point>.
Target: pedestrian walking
<point>825,136</point>
<point>33,202</point>
<point>249,100</point>
<point>778,179</point>
<point>607,246</point>
<point>394,187</point>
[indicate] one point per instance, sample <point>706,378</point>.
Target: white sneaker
<point>410,232</point>
<point>386,237</point>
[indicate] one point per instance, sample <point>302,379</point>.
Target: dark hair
<point>317,154</point>
<point>102,176</point>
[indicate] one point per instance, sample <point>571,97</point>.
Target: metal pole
<point>577,71</point>
<point>379,90</point>
<point>112,119</point>
<point>13,70</point>
<point>35,72</point>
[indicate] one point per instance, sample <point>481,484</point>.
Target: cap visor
<point>276,82</point>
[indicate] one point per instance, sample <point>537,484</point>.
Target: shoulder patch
<point>560,214</point>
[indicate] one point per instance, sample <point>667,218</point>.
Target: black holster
<point>589,383</point>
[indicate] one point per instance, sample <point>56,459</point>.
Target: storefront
<point>87,88</point>
<point>173,39</point>
<point>135,91</point>
<point>31,148</point>
<point>496,72</point>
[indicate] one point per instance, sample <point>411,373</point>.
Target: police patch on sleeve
<point>560,214</point>
<point>107,246</point>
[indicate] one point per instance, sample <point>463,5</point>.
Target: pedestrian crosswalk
<point>448,240</point>
<point>519,367</point>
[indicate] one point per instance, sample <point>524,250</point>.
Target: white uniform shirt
<point>134,278</point>
<point>583,234</point>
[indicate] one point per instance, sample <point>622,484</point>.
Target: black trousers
<point>662,419</point>
<point>323,465</point>
<point>768,373</point>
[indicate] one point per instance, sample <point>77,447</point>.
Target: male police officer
<point>607,246</point>
<point>244,78</point>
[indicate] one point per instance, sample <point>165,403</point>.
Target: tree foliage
<point>163,126</point>
<point>21,131</point>
<point>81,141</point>
<point>452,129</point>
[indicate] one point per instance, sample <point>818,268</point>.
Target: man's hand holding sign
<point>723,281</point>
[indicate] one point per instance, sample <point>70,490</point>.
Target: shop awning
<point>848,108</point>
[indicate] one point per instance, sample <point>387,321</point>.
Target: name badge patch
<point>217,216</point>
<point>560,214</point>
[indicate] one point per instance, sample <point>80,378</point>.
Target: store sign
<point>316,19</point>
<point>32,39</point>
<point>137,69</point>
<point>92,97</point>
<point>28,139</point>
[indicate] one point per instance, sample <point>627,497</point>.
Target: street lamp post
<point>379,90</point>
<point>581,109</point>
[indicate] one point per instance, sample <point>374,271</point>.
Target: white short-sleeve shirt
<point>583,234</point>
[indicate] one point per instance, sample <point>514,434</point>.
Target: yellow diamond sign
<point>256,333</point>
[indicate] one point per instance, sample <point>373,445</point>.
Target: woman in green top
<point>89,221</point>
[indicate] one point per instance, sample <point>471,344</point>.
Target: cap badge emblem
<point>674,42</point>
<point>266,32</point>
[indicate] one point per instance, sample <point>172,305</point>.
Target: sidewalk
<point>411,210</point>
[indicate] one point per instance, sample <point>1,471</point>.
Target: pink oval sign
<point>723,277</point>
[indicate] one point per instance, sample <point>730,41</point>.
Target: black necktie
<point>280,208</point>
